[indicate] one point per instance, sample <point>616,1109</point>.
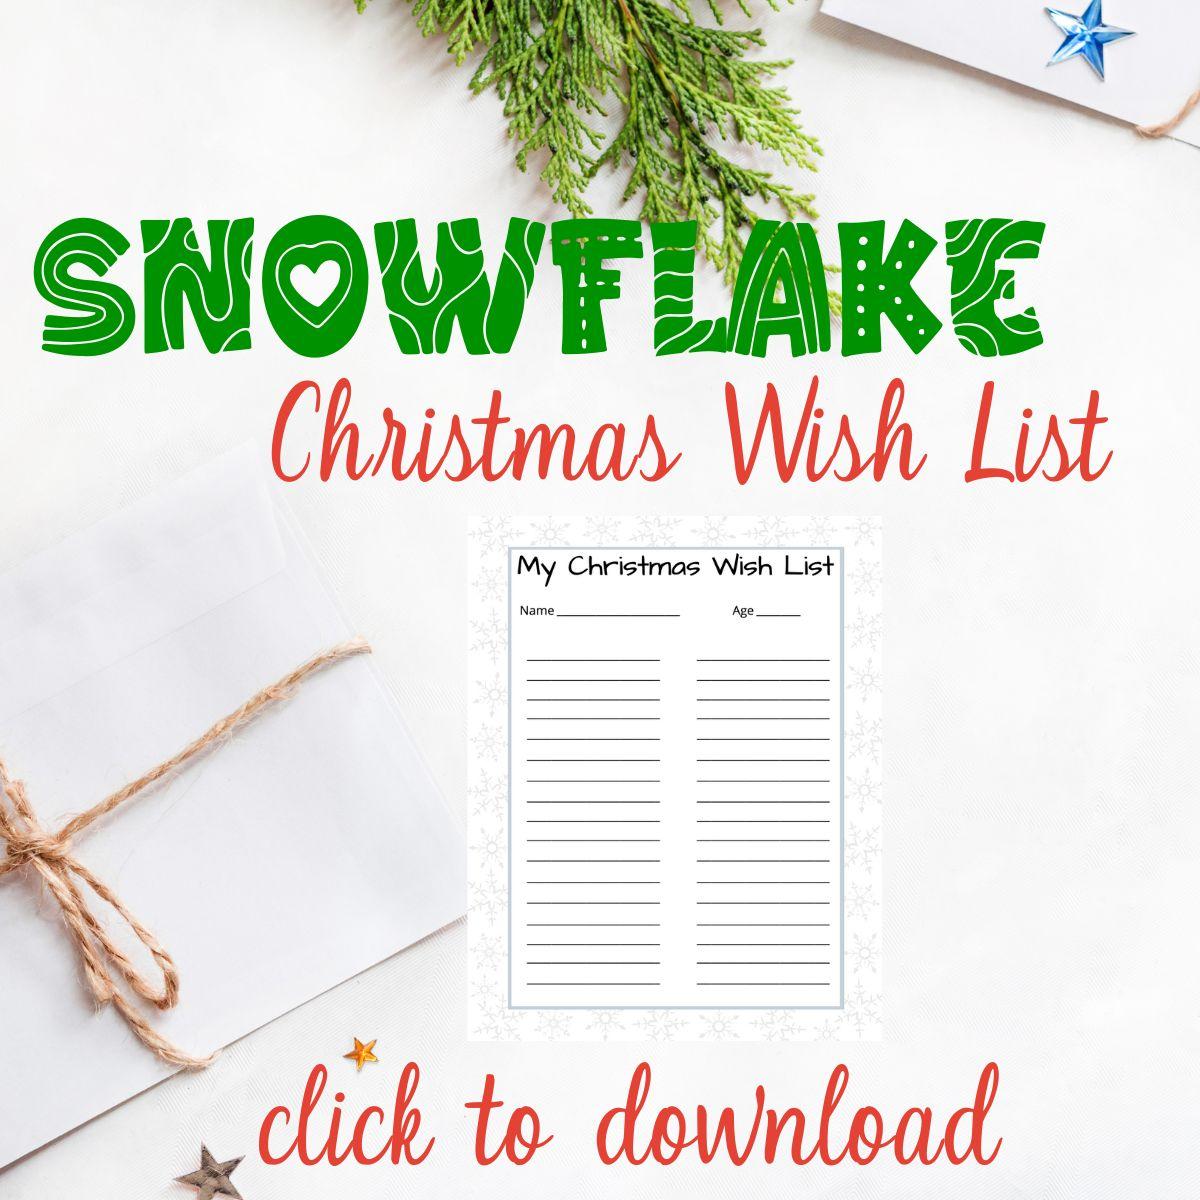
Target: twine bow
<point>106,967</point>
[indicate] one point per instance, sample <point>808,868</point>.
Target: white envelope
<point>310,847</point>
<point>1148,76</point>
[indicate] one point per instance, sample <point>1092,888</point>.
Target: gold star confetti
<point>213,1177</point>
<point>362,1053</point>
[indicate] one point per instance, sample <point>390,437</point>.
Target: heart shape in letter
<point>315,280</point>
<point>315,285</point>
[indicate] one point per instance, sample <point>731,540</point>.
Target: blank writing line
<point>635,615</point>
<point>756,882</point>
<point>613,962</point>
<point>705,860</point>
<point>757,802</point>
<point>749,962</point>
<point>589,882</point>
<point>757,945</point>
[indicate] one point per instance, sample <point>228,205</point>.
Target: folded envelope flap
<point>134,578</point>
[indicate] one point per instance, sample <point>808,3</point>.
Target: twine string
<point>1172,123</point>
<point>106,967</point>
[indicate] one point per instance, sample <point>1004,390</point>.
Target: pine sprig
<point>687,92</point>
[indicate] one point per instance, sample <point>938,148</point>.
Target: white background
<point>1041,699</point>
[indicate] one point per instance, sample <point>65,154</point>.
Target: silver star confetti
<point>213,1177</point>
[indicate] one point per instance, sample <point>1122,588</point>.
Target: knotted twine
<point>105,965</point>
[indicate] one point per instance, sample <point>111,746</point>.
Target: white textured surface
<point>1041,699</point>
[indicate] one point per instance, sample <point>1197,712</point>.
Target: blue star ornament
<point>1087,35</point>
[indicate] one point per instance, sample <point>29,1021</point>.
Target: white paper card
<point>1147,76</point>
<point>310,847</point>
<point>665,731</point>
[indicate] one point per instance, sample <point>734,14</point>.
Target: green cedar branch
<point>687,92</point>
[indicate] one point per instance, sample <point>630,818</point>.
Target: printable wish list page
<point>675,777</point>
